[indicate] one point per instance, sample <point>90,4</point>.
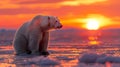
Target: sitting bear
<point>33,36</point>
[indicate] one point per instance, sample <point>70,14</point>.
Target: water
<point>71,48</point>
<point>62,55</point>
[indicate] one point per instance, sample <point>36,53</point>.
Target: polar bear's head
<point>46,22</point>
<point>54,22</point>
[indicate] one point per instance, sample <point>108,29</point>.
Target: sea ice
<point>98,58</point>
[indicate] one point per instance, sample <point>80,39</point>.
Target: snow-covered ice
<point>98,58</point>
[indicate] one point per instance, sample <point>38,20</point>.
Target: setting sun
<point>92,24</point>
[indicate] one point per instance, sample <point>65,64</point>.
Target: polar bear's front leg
<point>34,43</point>
<point>44,42</point>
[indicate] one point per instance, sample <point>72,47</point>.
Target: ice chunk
<point>88,58</point>
<point>44,61</point>
<point>108,59</point>
<point>64,58</point>
<point>98,58</point>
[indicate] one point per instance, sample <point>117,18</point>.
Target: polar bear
<point>33,36</point>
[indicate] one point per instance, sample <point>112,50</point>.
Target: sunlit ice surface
<point>66,50</point>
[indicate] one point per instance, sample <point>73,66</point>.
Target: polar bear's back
<point>23,28</point>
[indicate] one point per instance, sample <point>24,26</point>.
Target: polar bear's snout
<point>60,26</point>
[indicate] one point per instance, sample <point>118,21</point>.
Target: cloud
<point>45,3</point>
<point>13,11</point>
<point>70,11</point>
<point>72,8</point>
<point>81,2</point>
<point>27,3</point>
<point>62,2</point>
<point>35,1</point>
<point>66,11</point>
<point>114,2</point>
<point>7,4</point>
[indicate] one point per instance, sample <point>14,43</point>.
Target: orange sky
<point>71,12</point>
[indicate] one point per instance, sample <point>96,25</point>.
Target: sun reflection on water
<point>93,37</point>
<point>93,42</point>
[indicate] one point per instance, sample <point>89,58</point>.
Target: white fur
<point>33,36</point>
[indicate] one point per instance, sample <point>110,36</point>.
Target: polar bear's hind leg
<point>21,46</point>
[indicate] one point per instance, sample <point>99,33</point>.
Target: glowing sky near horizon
<point>72,13</point>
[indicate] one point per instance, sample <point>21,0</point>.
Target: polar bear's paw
<point>22,54</point>
<point>45,53</point>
